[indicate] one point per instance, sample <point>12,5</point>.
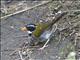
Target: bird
<point>38,29</point>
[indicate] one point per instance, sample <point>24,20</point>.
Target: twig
<point>71,11</point>
<point>64,6</point>
<point>21,36</point>
<point>76,39</point>
<point>43,3</point>
<point>14,52</point>
<point>22,49</point>
<point>59,40</point>
<point>20,55</point>
<point>72,32</point>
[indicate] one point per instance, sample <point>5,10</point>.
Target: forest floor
<point>66,40</point>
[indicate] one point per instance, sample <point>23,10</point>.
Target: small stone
<point>72,53</point>
<point>24,53</point>
<point>12,27</point>
<point>41,21</point>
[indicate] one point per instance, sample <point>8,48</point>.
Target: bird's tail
<point>57,17</point>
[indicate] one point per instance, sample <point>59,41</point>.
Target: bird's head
<point>29,27</point>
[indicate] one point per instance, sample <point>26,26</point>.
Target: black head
<point>30,27</point>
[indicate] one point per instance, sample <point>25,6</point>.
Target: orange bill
<point>24,29</point>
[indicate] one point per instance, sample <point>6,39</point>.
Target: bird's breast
<point>45,35</point>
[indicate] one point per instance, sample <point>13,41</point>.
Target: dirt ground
<point>66,39</point>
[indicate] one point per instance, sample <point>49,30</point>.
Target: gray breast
<point>45,36</point>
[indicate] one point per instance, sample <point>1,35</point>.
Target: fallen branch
<point>43,3</point>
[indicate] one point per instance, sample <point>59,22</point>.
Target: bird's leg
<point>32,40</point>
<point>44,45</point>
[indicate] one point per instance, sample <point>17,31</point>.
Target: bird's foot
<point>43,47</point>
